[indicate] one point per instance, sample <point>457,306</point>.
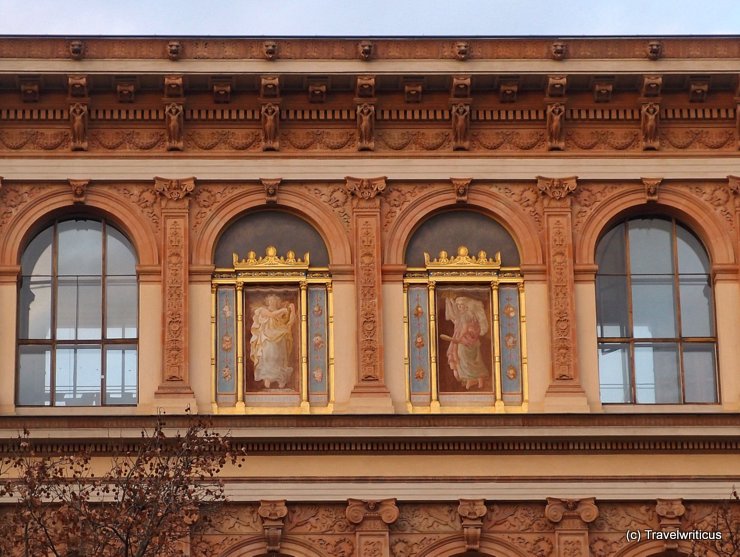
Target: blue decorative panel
<point>511,350</point>
<point>318,347</point>
<point>226,345</point>
<point>418,312</point>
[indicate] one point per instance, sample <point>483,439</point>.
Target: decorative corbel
<point>78,116</point>
<point>462,50</point>
<point>649,118</point>
<point>471,512</point>
<point>271,186</point>
<point>270,50</point>
<point>222,92</point>
<point>365,126</point>
<point>651,85</point>
<point>174,50</point>
<point>603,91</point>
<point>571,514</point>
<point>174,114</point>
<point>365,50</point>
<point>669,513</point>
<point>558,50</point>
<point>365,87</point>
<point>173,87</point>
<point>273,515</point>
<point>269,87</point>
<point>77,86</point>
<point>126,91</point>
<point>555,117</point>
<point>460,87</point>
<point>654,50</point>
<point>651,188</point>
<point>76,49</point>
<point>698,89</point>
<point>508,90</point>
<point>412,92</point>
<point>460,187</point>
<point>79,190</point>
<point>557,188</point>
<point>30,90</point>
<point>317,92</point>
<point>556,86</point>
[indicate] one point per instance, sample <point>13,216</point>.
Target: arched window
<point>272,308</point>
<point>655,313</point>
<point>464,317</point>
<point>78,317</point>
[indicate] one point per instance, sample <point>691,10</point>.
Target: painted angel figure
<point>464,352</point>
<point>272,341</point>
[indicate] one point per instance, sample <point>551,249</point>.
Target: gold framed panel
<point>272,322</point>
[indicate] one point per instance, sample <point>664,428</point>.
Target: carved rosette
<point>367,249</point>
<point>175,226</point>
<point>557,211</point>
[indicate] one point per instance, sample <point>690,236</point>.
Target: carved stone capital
<point>79,188</point>
<point>174,189</point>
<point>273,515</point>
<point>372,514</point>
<point>460,187</point>
<point>271,186</point>
<point>651,188</point>
<point>571,514</point>
<point>365,189</point>
<point>557,188</point>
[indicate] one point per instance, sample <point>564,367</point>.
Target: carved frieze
<point>396,199</point>
<point>206,198</point>
<point>338,198</point>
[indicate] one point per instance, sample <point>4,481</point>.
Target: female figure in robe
<point>464,352</point>
<point>271,345</point>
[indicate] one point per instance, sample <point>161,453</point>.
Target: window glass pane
<point>119,254</point>
<point>651,249</point>
<point>36,258</point>
<point>700,372</point>
<point>120,375</point>
<point>610,253</point>
<point>80,249</point>
<point>614,376</point>
<point>611,306</point>
<point>653,306</point>
<point>656,373</point>
<point>35,307</point>
<point>692,257</point>
<point>78,308</point>
<point>34,375</point>
<point>121,307</point>
<point>697,319</point>
<point>78,376</point>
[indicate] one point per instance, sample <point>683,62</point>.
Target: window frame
<point>680,341</point>
<point>53,343</point>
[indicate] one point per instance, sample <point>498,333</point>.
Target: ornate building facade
<point>450,295</point>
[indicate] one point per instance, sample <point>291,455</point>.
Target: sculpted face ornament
<point>365,50</point>
<point>654,50</point>
<point>558,50</point>
<point>76,49</point>
<point>462,50</point>
<point>270,50</point>
<point>174,50</point>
